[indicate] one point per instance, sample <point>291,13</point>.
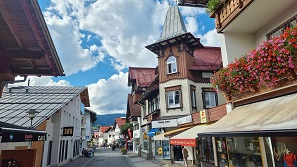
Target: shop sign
<point>184,120</point>
<point>164,123</point>
<point>67,131</point>
<point>183,142</point>
<point>203,116</point>
<point>22,137</point>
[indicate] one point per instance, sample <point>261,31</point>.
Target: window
<point>206,74</point>
<point>173,98</point>
<point>171,65</point>
<point>209,99</point>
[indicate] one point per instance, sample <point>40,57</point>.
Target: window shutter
<point>166,99</point>
<point>216,97</point>
<point>203,99</point>
<point>181,98</point>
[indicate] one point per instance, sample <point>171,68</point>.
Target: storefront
<point>196,148</point>
<point>258,134</point>
<point>18,144</point>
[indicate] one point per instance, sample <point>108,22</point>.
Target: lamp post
<point>32,113</point>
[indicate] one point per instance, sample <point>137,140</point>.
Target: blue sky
<point>97,40</point>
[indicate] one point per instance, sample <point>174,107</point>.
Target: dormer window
<point>171,65</point>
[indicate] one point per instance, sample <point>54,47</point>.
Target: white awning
<point>277,116</point>
<point>188,137</point>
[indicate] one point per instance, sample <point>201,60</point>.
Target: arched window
<point>171,65</point>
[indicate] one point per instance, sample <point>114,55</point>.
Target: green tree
<point>124,129</point>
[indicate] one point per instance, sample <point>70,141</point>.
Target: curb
<point>128,159</point>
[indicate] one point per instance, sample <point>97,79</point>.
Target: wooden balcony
<point>250,16</point>
<point>227,11</point>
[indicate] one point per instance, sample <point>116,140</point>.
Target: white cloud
<point>211,38</point>
<point>110,96</point>
<point>191,25</point>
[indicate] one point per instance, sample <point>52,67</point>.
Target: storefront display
<point>166,149</point>
<point>244,151</point>
<point>284,151</point>
<point>158,147</point>
<point>206,149</point>
<point>222,152</point>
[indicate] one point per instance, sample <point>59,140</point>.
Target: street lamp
<point>32,113</point>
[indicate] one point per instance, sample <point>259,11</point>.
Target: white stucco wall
<point>186,97</point>
<point>235,45</point>
<point>68,115</point>
<point>86,132</point>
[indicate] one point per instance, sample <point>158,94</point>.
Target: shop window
<point>60,152</point>
<point>244,151</point>
<point>284,150</point>
<point>159,149</point>
<point>165,149</point>
<point>222,152</point>
<point>63,148</point>
<point>210,98</point>
<point>174,99</point>
<point>171,65</point>
<point>205,148</point>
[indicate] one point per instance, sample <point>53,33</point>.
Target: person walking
<point>185,155</point>
<point>207,153</point>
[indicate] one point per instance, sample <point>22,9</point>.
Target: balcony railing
<point>281,29</point>
<point>227,11</point>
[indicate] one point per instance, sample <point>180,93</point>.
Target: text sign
<point>184,120</point>
<point>67,131</point>
<point>203,116</point>
<point>164,123</point>
<point>22,136</point>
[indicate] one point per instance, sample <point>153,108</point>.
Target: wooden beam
<point>21,54</point>
<point>32,71</point>
<point>9,23</point>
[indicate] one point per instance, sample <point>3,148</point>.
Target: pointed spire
<point>173,25</point>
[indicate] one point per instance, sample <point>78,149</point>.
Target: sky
<point>98,40</point>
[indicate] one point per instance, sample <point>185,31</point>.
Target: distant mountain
<point>108,119</point>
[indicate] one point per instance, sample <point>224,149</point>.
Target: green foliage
<point>124,129</point>
<point>212,5</point>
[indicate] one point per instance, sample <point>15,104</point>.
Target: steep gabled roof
<point>173,25</point>
<point>142,76</point>
<point>104,129</point>
<point>16,101</point>
<point>207,59</point>
<point>120,121</point>
<point>133,110</point>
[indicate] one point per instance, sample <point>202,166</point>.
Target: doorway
<point>178,155</point>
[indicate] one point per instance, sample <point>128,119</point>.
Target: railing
<point>281,29</point>
<point>227,11</point>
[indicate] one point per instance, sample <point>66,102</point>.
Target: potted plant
<point>124,151</point>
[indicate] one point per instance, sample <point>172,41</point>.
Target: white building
<point>88,118</point>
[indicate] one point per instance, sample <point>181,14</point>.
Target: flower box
<point>273,64</point>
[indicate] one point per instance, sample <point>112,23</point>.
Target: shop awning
<point>13,133</point>
<point>188,137</point>
<point>152,132</point>
<point>277,116</point>
<point>170,133</point>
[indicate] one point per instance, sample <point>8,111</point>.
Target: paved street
<point>108,158</point>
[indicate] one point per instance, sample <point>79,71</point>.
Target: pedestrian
<point>185,155</point>
<point>207,153</point>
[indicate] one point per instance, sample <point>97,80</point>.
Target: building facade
<point>259,129</point>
